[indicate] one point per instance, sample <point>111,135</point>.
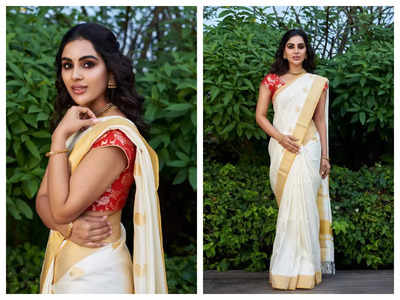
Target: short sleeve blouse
<point>114,198</point>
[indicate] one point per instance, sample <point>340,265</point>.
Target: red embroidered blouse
<point>114,198</point>
<point>274,82</point>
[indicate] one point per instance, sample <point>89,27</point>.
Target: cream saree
<point>303,245</point>
<point>110,269</point>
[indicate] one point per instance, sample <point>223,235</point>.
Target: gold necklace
<point>104,110</point>
<point>299,73</point>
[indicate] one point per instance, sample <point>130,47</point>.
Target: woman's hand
<point>90,231</point>
<point>289,142</point>
<point>76,118</point>
<point>325,168</point>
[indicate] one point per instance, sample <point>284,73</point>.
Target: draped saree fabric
<point>88,274</point>
<point>303,245</point>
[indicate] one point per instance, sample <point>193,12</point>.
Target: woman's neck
<point>296,69</point>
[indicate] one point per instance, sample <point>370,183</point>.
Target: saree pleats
<point>295,180</point>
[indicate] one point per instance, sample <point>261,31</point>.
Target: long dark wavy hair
<point>124,96</point>
<point>281,65</point>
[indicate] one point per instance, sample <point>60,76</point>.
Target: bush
<point>24,264</point>
<point>181,274</point>
<point>240,214</point>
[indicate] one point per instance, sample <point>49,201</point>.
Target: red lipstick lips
<point>78,89</point>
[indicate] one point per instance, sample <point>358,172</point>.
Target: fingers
<point>95,234</point>
<point>95,218</point>
<point>95,245</point>
<point>84,110</point>
<point>98,238</point>
<point>294,147</point>
<point>325,170</point>
<point>94,225</point>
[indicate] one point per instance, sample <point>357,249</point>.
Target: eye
<point>88,64</point>
<point>67,66</point>
<point>290,46</point>
<point>301,46</point>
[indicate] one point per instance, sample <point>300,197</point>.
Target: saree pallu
<point>303,245</point>
<point>146,272</point>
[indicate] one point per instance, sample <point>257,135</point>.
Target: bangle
<point>50,153</point>
<point>69,232</point>
<point>325,157</point>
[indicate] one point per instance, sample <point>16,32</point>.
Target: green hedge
<point>24,264</point>
<point>240,214</point>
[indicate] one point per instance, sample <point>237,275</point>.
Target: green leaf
<point>24,208</point>
<point>30,187</point>
<point>16,70</point>
<point>180,177</point>
<point>179,107</point>
<point>32,148</point>
<point>182,156</point>
<point>154,93</point>
<point>177,163</point>
<point>193,177</point>
<point>41,134</point>
<point>18,127</point>
<point>362,117</point>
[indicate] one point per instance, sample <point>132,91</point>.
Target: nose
<point>76,75</point>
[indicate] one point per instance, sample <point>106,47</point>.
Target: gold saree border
<point>300,131</point>
<point>281,282</point>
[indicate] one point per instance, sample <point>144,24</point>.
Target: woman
<point>96,153</point>
<point>299,171</point>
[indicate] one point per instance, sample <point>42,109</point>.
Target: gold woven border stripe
<point>291,283</point>
<point>300,131</point>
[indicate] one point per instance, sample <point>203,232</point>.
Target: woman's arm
<point>43,209</point>
<point>88,231</point>
<point>70,195</point>
<point>320,123</point>
<point>264,100</point>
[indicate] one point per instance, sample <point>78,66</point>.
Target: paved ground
<point>344,282</point>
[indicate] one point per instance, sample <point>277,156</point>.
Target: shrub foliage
<point>240,214</point>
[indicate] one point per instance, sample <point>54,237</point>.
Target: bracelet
<point>325,157</point>
<point>69,232</point>
<point>50,153</point>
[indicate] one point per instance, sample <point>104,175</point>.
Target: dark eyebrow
<point>301,43</point>
<point>82,58</point>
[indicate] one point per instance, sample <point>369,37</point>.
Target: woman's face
<point>84,73</point>
<point>295,50</point>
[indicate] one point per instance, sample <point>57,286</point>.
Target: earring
<point>111,83</point>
